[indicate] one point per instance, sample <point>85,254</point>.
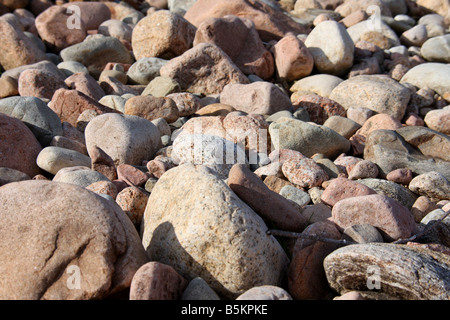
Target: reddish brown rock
<point>131,175</point>
<point>414,120</point>
<point>347,162</point>
<point>151,108</point>
<point>67,143</point>
<point>186,102</point>
<point>275,183</point>
<point>305,173</point>
<point>282,155</point>
<point>306,274</point>
<point>342,188</point>
<point>92,14</point>
<point>101,162</point>
<point>160,165</point>
<point>363,169</point>
<point>133,202</point>
<point>401,176</point>
<point>319,108</point>
<point>238,38</point>
<point>52,25</point>
<point>272,24</point>
<point>86,84</point>
<point>215,109</point>
<point>39,83</point>
<point>104,187</point>
<point>378,122</point>
<point>354,18</point>
<point>421,207</point>
<point>18,146</point>
<point>268,204</point>
<point>292,58</point>
<point>189,70</point>
<point>113,86</point>
<point>69,104</point>
<point>157,281</point>
<point>393,220</point>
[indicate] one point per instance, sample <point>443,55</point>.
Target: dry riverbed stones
<point>222,150</point>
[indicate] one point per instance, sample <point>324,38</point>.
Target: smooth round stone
<point>81,176</point>
<point>437,49</point>
<point>198,289</point>
<point>53,159</point>
<point>71,67</point>
<point>114,102</point>
<point>294,194</point>
<point>145,70</point>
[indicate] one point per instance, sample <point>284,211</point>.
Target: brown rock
<point>292,58</point>
<point>8,87</point>
<point>160,165</point>
<point>157,281</point>
<point>342,188</point>
<point>39,83</point>
<point>354,18</point>
<point>421,207</point>
<point>282,155</point>
<point>316,212</point>
<point>272,24</point>
<point>17,48</point>
<point>363,169</point>
<point>215,109</point>
<point>162,34</point>
<point>306,275</point>
<point>52,25</point>
<point>101,162</point>
<point>67,143</point>
<point>92,14</point>
<point>401,176</point>
<point>104,187</point>
<point>377,122</point>
<point>151,108</point>
<point>186,102</point>
<point>270,205</point>
<point>131,175</point>
<point>69,104</point>
<point>18,146</point>
<point>238,38</point>
<point>304,173</point>
<point>319,108</point>
<point>392,219</point>
<point>113,86</point>
<point>86,84</point>
<point>275,183</point>
<point>133,202</point>
<point>189,70</point>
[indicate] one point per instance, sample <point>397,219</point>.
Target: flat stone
<point>53,159</point>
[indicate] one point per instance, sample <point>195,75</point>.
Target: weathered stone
<point>78,175</point>
<point>304,173</point>
<point>431,184</point>
<point>342,188</point>
<point>152,108</point>
<point>53,159</point>
<point>319,108</point>
<point>198,289</point>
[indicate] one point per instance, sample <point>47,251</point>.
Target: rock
<point>69,68</point>
<point>163,126</point>
<point>342,188</point>
<point>436,49</point>
<point>275,183</point>
<point>272,24</point>
<point>34,113</point>
<point>102,162</point>
<point>331,56</point>
<point>359,114</point>
<point>104,188</point>
<point>306,276</point>
<point>19,147</point>
<point>363,233</point>
<point>269,205</point>
<point>18,49</point>
<point>321,84</point>
<point>157,281</point>
<point>354,18</point>
<point>307,138</point>
<point>188,70</point>
<point>439,120</point>
<point>436,215</point>
<point>431,184</point>
<point>215,109</point>
<point>238,233</point>
<point>392,190</point>
<point>78,175</point>
<point>152,108</point>
<point>390,151</point>
<point>70,104</point>
<point>180,7</point>
<point>294,194</point>
<point>265,293</point>
<point>86,84</point>
<point>238,38</point>
<point>39,84</point>
<point>131,175</point>
<point>351,295</point>
<point>113,86</point>
<point>401,176</point>
<point>187,103</point>
<point>374,92</point>
<point>162,34</point>
<point>8,87</point>
<point>95,53</point>
<point>304,173</point>
<point>117,29</point>
<point>161,87</point>
<point>133,202</point>
<point>80,242</point>
<point>160,165</point>
<point>259,97</point>
<point>42,65</point>
<point>342,125</point>
<point>376,32</point>
<point>415,36</point>
<point>126,139</point>
<point>8,175</point>
<point>392,219</point>
<point>53,159</point>
<point>92,14</point>
<point>421,207</point>
<point>432,75</point>
<point>53,27</point>
<point>350,6</point>
<point>319,108</point>
<point>145,70</point>
<point>378,122</point>
<point>415,265</point>
<point>198,289</point>
<point>439,6</point>
<point>363,169</point>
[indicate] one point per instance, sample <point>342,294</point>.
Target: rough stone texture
<point>392,219</point>
<point>304,173</point>
<point>377,122</point>
<point>331,47</point>
<point>145,70</point>
<point>405,272</point>
<point>157,281</point>
<point>259,97</point>
<point>401,176</point>
<point>374,92</point>
<point>376,32</point>
<point>102,162</point>
<point>189,70</point>
<point>152,108</point>
<point>71,228</point>
<point>162,34</point>
<point>104,188</point>
<point>40,84</point>
<point>126,139</point>
<point>268,204</point>
<point>272,24</point>
<point>92,14</point>
<point>342,188</point>
<point>342,125</point>
<point>363,169</point>
<point>187,103</point>
<point>238,38</point>
<point>86,84</point>
<point>431,184</point>
<point>227,233</point>
<point>296,195</point>
<point>133,202</point>
<point>319,108</point>
<point>265,293</point>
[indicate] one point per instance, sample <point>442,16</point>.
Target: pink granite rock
<point>39,83</point>
<point>305,173</point>
<point>342,188</point>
